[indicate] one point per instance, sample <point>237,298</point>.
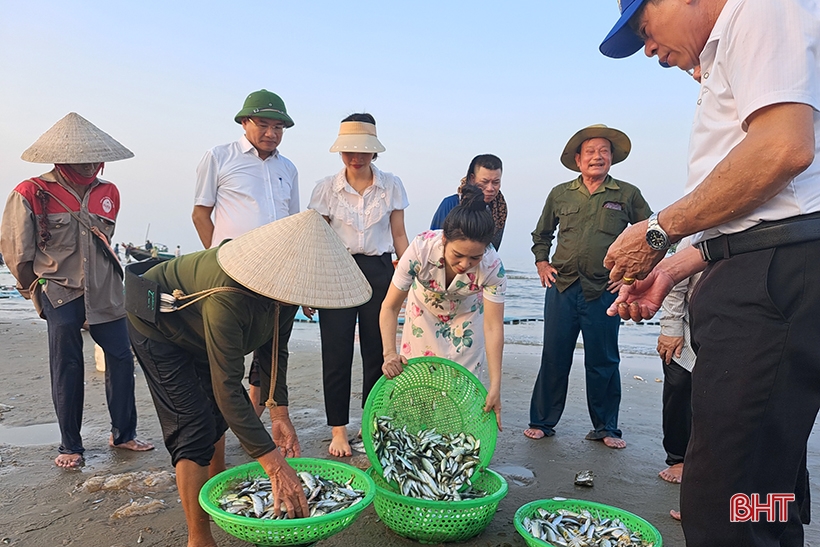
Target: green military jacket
<point>222,328</point>
<point>587,226</point>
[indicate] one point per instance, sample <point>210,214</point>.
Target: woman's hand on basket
<point>285,486</point>
<point>393,365</point>
<point>493,402</point>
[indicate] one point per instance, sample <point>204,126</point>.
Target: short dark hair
<point>362,117</point>
<point>470,219</point>
<point>487,161</point>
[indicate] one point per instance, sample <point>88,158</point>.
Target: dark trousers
<point>263,356</point>
<point>338,332</point>
<point>180,385</point>
<point>565,315</point>
<point>677,411</point>
<point>65,357</point>
<point>755,393</point>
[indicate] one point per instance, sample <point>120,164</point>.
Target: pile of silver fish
<point>253,498</point>
<point>564,528</point>
<point>427,465</point>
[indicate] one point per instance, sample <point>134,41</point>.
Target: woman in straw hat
<point>225,304</point>
<point>365,207</point>
<point>55,238</point>
<point>454,283</point>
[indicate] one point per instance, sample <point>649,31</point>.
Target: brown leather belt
<point>765,235</point>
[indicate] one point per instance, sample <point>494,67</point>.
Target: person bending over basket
<point>223,304</point>
<point>454,283</point>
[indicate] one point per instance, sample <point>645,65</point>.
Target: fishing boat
<point>141,253</point>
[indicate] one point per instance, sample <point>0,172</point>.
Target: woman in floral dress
<point>454,283</point>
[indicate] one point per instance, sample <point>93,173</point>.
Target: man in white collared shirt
<point>244,185</point>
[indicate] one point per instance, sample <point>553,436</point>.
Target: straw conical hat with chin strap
<point>297,260</point>
<point>75,140</point>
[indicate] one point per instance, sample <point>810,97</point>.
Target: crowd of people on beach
<point>738,292</point>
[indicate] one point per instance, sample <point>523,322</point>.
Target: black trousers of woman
<point>338,330</point>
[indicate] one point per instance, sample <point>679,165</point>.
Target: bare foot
<point>135,445</point>
<point>339,446</point>
<point>614,442</point>
<point>672,474</point>
<point>674,514</point>
<point>69,461</point>
<point>534,433</point>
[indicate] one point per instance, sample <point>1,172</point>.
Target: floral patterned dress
<point>446,321</point>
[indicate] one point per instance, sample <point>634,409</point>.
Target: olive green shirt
<point>222,328</point>
<point>587,226</point>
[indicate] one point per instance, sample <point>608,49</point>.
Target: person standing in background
<point>243,185</point>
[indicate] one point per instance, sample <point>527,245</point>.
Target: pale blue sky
<point>445,81</point>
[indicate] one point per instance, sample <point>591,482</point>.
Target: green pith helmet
<point>264,104</point>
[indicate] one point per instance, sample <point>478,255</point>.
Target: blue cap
<point>621,41</point>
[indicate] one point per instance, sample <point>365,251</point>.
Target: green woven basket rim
<point>529,509</point>
<point>435,504</point>
<point>384,383</point>
<point>255,469</point>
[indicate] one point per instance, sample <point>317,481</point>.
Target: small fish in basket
<point>581,529</point>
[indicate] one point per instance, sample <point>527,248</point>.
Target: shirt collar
<point>340,180</point>
<point>246,147</point>
<point>609,183</point>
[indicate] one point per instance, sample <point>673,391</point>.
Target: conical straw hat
<point>299,260</point>
<point>75,140</point>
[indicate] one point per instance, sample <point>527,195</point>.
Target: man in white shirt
<point>243,185</point>
<point>753,202</point>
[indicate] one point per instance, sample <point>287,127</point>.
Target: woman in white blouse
<point>365,207</point>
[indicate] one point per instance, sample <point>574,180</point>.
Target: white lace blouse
<point>361,221</point>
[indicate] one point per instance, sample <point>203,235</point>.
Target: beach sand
<point>41,506</point>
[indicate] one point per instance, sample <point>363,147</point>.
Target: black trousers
<point>263,356</point>
<point>677,411</point>
<point>755,393</point>
<point>338,330</point>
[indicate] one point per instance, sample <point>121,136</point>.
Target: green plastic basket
<point>432,392</point>
<point>289,531</point>
<point>439,521</point>
<point>633,522</point>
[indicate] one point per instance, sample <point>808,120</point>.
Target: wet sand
<point>40,505</point>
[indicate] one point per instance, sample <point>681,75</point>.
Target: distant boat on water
<point>142,253</point>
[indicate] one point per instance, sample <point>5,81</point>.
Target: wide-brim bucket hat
<point>622,41</point>
<point>264,104</point>
<point>357,137</point>
<point>297,260</point>
<point>75,140</point>
<point>621,145</point>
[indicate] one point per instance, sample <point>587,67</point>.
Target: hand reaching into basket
<point>493,402</point>
<point>283,432</point>
<point>285,486</point>
<point>393,365</point>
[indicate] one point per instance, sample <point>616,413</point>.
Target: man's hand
<point>283,432</point>
<point>669,347</point>
<point>285,486</point>
<point>643,299</point>
<point>630,255</point>
<point>393,365</point>
<point>546,272</point>
<point>493,402</point>
<point>308,311</point>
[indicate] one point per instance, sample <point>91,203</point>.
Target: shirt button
<point>59,301</point>
<point>57,226</point>
<point>706,75</point>
<point>83,232</point>
<point>85,260</point>
<point>699,101</point>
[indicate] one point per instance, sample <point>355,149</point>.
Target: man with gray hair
<point>753,203</point>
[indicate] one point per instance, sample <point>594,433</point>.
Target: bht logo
<point>745,508</point>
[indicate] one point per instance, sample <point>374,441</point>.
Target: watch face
<point>657,240</point>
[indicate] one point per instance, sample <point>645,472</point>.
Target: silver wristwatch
<point>656,237</point>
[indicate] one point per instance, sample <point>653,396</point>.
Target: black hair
<point>487,161</point>
<point>470,219</point>
<point>362,117</point>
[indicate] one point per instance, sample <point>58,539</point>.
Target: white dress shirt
<point>245,190</point>
<point>361,221</point>
<point>759,53</point>
<point>675,320</point>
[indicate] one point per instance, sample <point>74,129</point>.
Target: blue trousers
<point>65,357</point>
<point>565,315</point>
